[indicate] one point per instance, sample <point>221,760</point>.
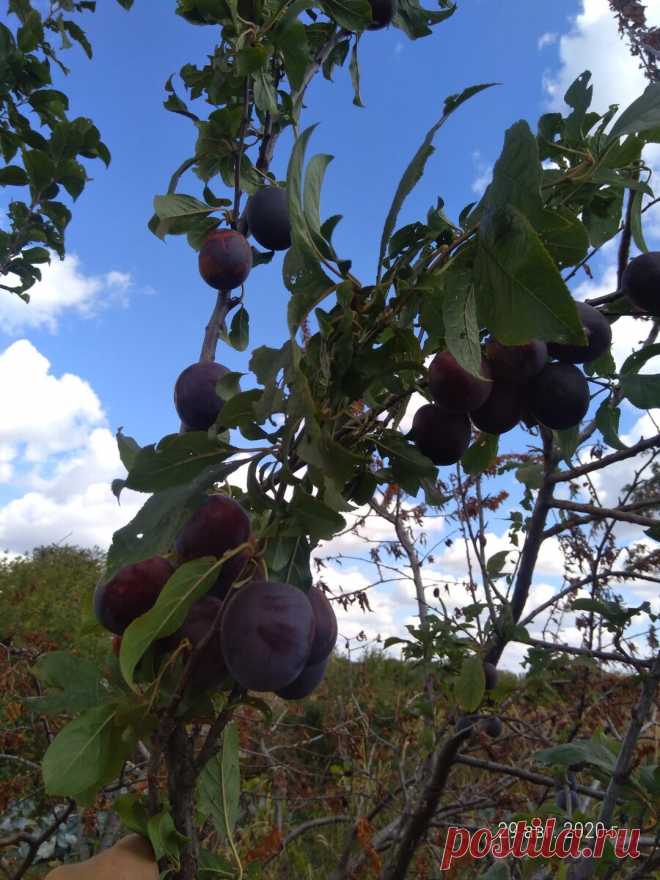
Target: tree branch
<point>605,461</point>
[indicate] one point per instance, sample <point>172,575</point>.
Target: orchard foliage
<point>41,147</point>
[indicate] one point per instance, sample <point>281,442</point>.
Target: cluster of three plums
<point>519,382</point>
<point>271,635</point>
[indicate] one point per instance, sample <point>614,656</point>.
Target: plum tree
<point>382,12</point>
<point>225,259</point>
<point>598,332</point>
<point>490,674</point>
<point>268,218</point>
<point>453,388</point>
<point>641,282</point>
<point>218,525</point>
<point>559,396</point>
<point>325,635</point>
<point>195,399</point>
<point>441,436</point>
<point>267,633</point>
<point>209,667</point>
<point>516,363</point>
<point>307,682</point>
<point>131,592</point>
<point>502,410</point>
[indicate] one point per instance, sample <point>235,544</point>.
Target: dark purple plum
<point>559,396</point>
<point>502,411</point>
<point>467,723</point>
<point>492,726</point>
<point>130,593</point>
<point>325,622</point>
<point>453,388</point>
<point>307,682</point>
<point>441,436</point>
<point>490,674</point>
<point>210,668</point>
<point>195,398</point>
<point>267,633</point>
<point>268,218</point>
<point>598,332</point>
<point>641,282</point>
<point>382,13</point>
<point>218,525</point>
<point>516,363</point>
<point>225,259</point>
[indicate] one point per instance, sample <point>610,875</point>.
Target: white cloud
<point>43,413</point>
<point>594,44</point>
<point>484,173</point>
<point>64,288</point>
<point>547,39</point>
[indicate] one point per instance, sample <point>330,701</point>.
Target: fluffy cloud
<point>594,44</point>
<point>64,288</point>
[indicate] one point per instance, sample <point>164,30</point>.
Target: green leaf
<point>636,223</point>
<point>13,175</point>
<point>517,174</point>
<point>36,255</point>
<point>520,292</point>
<point>354,70</point>
<point>132,812</point>
<point>177,459</point>
<point>471,683</point>
<point>641,390</point>
<point>634,362</point>
<point>77,33</point>
<point>354,15</point>
<point>496,563</point>
<point>530,475</point>
<point>219,785</point>
<point>459,314</point>
<point>240,409</point>
<point>239,331</point>
<point>314,175</point>
<point>129,449</point>
<point>40,169</point>
<point>642,115</point>
<point>75,680</point>
<point>31,33</point>
<point>78,758</point>
<point>568,441</point>
<point>564,235</point>
<point>292,40</point>
<point>481,455</point>
<point>175,205</point>
<point>415,169</point>
<point>314,517</point>
<point>265,96</point>
<point>163,836</point>
<point>607,422</point>
<point>189,582</point>
<point>591,751</point>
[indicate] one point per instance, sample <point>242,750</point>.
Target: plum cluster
<point>265,635</point>
<point>225,257</point>
<point>534,382</point>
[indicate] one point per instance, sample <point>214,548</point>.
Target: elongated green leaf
<point>642,115</point>
<point>415,169</point>
<point>13,175</point>
<point>314,517</point>
<point>177,459</point>
<point>354,15</point>
<point>481,455</point>
<point>641,390</point>
<point>354,70</point>
<point>189,582</point>
<point>634,362</point>
<point>314,175</point>
<point>607,422</point>
<point>74,680</point>
<point>220,785</point>
<point>459,313</point>
<point>471,684</point>
<point>175,205</point>
<point>78,757</point>
<point>520,292</point>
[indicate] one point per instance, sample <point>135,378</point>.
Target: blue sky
<point>110,329</point>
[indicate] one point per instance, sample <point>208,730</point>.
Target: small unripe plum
<point>382,12</point>
<point>306,683</point>
<point>225,259</point>
<point>502,411</point>
<point>196,401</point>
<point>492,726</point>
<point>441,436</point>
<point>516,363</point>
<point>641,282</point>
<point>130,593</point>
<point>598,332</point>
<point>559,396</point>
<point>490,674</point>
<point>218,525</point>
<point>267,633</point>
<point>268,218</point>
<point>325,621</point>
<point>453,388</point>
<point>209,668</point>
